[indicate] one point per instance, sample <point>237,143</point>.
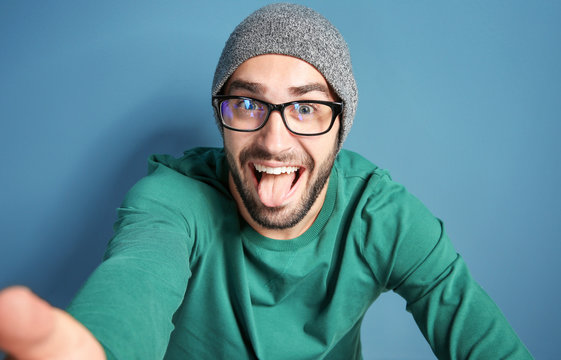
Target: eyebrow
<point>257,88</point>
<point>303,90</point>
<point>252,87</point>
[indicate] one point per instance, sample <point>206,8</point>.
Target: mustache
<point>257,152</point>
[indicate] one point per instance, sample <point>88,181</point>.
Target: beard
<point>279,217</point>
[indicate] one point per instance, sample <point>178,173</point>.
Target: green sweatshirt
<point>185,277</point>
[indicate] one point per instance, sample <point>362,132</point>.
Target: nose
<point>274,136</point>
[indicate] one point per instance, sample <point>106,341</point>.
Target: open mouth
<point>276,184</point>
<point>259,170</point>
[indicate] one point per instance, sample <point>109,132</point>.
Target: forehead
<point>273,73</point>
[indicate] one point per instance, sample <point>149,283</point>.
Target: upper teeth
<point>276,170</point>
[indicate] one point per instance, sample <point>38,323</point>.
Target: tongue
<point>274,189</point>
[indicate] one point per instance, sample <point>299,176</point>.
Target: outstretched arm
<point>31,329</point>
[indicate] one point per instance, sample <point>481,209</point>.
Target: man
<point>274,246</point>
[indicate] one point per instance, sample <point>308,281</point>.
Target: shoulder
<point>350,163</point>
<point>374,186</point>
<point>197,168</point>
<point>187,184</point>
<point>384,212</point>
<point>202,164</point>
<point>355,170</point>
<point>361,183</point>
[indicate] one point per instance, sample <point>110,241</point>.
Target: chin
<point>285,216</point>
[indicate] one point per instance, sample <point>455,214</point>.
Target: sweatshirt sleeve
<point>411,254</point>
<point>129,301</point>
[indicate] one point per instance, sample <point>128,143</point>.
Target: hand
<point>32,329</point>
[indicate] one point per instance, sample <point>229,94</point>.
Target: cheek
<point>235,143</point>
<point>232,142</point>
<point>321,149</point>
<point>238,139</point>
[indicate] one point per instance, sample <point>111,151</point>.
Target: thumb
<point>30,328</point>
<point>25,319</point>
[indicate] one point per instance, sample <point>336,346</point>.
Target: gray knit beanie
<point>297,31</point>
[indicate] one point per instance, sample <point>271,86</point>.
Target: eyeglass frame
<point>336,110</point>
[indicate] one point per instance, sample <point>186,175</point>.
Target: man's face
<point>279,179</point>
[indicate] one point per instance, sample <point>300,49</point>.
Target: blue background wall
<point>461,101</point>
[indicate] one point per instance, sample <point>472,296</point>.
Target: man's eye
<point>304,109</point>
<point>247,104</point>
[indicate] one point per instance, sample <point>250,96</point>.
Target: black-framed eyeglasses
<point>306,117</point>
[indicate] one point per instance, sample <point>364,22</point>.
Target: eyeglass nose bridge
<point>280,108</point>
